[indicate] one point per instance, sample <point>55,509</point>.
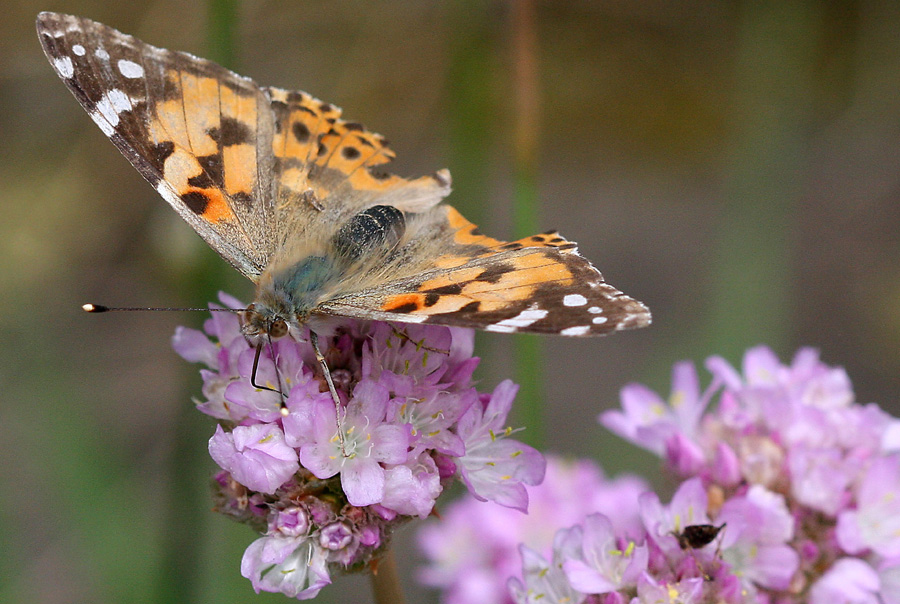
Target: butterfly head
<point>261,322</point>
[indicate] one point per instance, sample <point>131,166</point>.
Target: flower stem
<point>386,581</point>
<point>528,349</point>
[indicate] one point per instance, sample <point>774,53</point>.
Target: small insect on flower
<point>696,536</point>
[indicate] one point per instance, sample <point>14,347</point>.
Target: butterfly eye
<point>278,328</point>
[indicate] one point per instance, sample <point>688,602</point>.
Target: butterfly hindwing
<point>328,170</point>
<point>538,284</point>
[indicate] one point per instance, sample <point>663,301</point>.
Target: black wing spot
<point>405,308</point>
<point>379,174</point>
<point>471,307</point>
<point>350,153</point>
<point>213,174</point>
<point>513,245</point>
<point>296,97</point>
<point>446,290</point>
<point>196,201</point>
<point>159,153</point>
<point>300,132</point>
<point>231,132</point>
<point>495,272</point>
<point>431,299</point>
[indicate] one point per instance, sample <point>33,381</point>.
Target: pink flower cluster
<point>326,502</point>
<point>804,483</point>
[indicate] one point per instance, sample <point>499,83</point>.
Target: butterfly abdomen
<point>378,228</point>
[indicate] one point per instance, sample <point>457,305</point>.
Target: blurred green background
<point>735,165</point>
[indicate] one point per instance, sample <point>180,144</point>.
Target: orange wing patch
<point>466,233</point>
<point>490,287</point>
<point>213,154</point>
<point>300,120</point>
<point>318,155</point>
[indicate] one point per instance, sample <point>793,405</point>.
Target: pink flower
<point>368,443</point>
<point>495,467</point>
<point>256,456</point>
<point>327,494</point>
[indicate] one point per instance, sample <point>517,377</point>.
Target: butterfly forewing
<point>196,131</point>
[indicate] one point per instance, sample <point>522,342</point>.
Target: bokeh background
<point>735,165</point>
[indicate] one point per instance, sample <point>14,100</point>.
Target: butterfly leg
<point>338,407</point>
<point>420,344</point>
<point>280,390</point>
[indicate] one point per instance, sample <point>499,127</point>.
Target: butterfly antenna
<point>338,407</point>
<point>98,308</point>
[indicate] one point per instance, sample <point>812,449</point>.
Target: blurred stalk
<point>386,581</point>
<point>189,492</point>
<point>528,348</point>
<point>472,109</point>
<point>753,263</point>
<point>222,16</point>
<point>472,114</point>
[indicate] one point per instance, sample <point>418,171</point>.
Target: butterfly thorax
<point>286,298</point>
<point>292,288</point>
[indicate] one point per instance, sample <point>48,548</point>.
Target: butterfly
<point>297,199</point>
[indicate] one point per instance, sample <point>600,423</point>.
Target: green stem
<point>386,581</point>
<point>223,20</point>
<point>528,348</point>
<point>776,63</point>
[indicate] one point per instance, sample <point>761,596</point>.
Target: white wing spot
<point>414,318</point>
<point>79,50</point>
<point>523,319</point>
<point>100,120</point>
<point>130,69</point>
<point>101,54</point>
<point>599,320</point>
<point>106,111</point>
<point>574,300</point>
<point>595,310</point>
<point>500,328</point>
<point>578,330</point>
<point>168,194</point>
<point>64,66</point>
<point>119,100</point>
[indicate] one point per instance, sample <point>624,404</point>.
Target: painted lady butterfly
<point>295,198</point>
